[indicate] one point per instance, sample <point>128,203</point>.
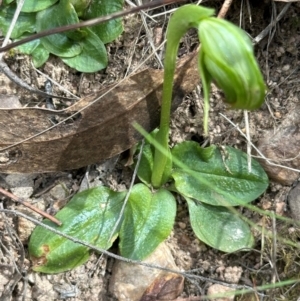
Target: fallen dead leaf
<point>101,126</point>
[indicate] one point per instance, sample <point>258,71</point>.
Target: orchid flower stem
<point>206,92</point>
<point>183,19</point>
<point>226,57</point>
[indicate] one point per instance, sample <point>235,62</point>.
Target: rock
<point>4,278</point>
<point>25,227</point>
<point>218,289</point>
<point>282,147</point>
<point>59,192</point>
<point>21,185</point>
<point>294,202</point>
<point>233,274</point>
<point>17,180</point>
<point>9,102</point>
<point>134,282</point>
<point>182,225</point>
<point>22,192</point>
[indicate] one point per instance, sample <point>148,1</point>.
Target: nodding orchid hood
<point>227,57</point>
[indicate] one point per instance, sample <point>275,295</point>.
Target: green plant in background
<point>212,180</point>
<point>82,49</point>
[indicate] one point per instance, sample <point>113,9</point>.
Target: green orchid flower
<point>227,57</point>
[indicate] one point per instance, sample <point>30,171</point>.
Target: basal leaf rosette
<point>227,57</point>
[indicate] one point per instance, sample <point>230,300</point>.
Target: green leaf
<point>219,227</point>
<point>148,220</point>
<point>220,179</point>
<point>40,56</point>
<point>93,56</point>
<point>63,44</point>
<point>38,52</point>
<point>29,47</point>
<point>89,216</point>
<point>31,6</point>
<point>110,30</point>
<point>146,164</point>
<point>145,169</point>
<point>25,24</point>
<point>5,2</point>
<point>80,6</point>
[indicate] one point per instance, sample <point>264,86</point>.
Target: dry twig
<point>28,205</point>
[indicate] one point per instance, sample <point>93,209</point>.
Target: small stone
<point>205,265</point>
<point>294,202</point>
<point>9,102</point>
<point>182,225</point>
<point>286,67</point>
<point>277,114</point>
<point>233,274</point>
<point>21,185</point>
<point>282,148</point>
<point>17,180</point>
<point>59,192</point>
<point>265,204</point>
<point>4,278</point>
<point>218,289</point>
<point>22,192</point>
<point>280,207</point>
<point>24,226</point>
<point>31,278</point>
<point>133,282</point>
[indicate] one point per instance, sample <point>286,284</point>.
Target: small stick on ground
<point>224,9</point>
<point>28,205</point>
<point>267,30</point>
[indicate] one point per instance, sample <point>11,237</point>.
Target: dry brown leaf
<point>101,129</point>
